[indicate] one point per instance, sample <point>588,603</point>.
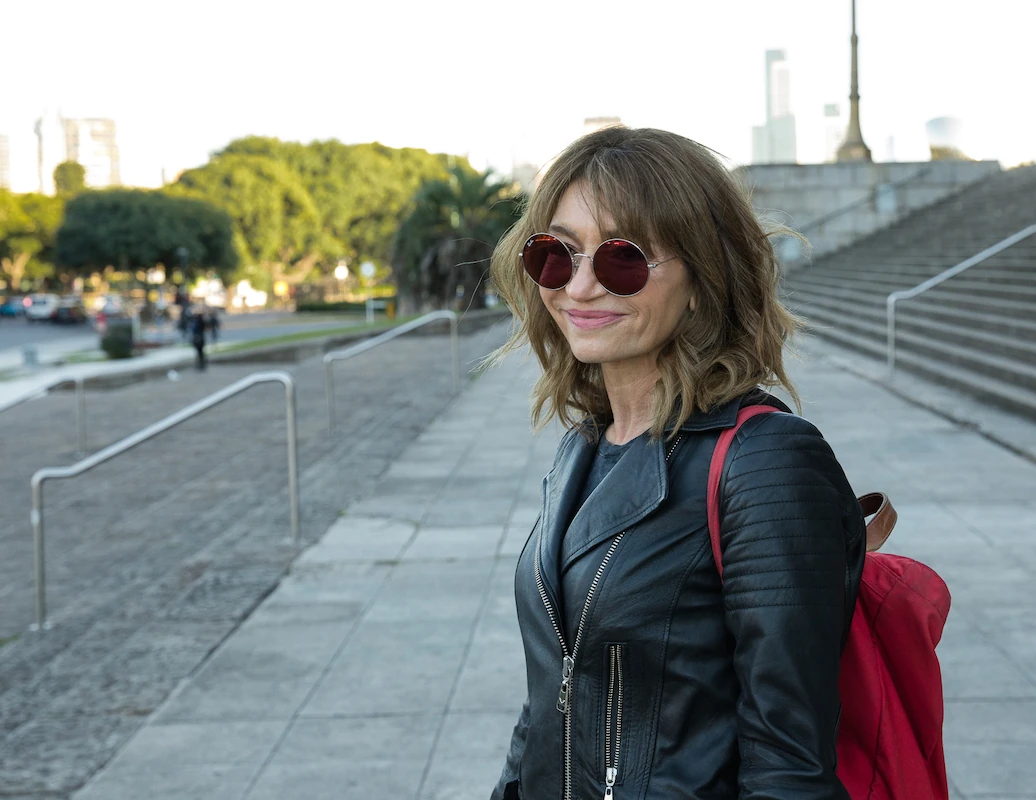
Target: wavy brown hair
<point>674,194</point>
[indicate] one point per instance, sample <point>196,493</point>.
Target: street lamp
<point>367,269</point>
<point>341,273</point>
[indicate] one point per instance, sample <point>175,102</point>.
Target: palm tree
<point>442,247</point>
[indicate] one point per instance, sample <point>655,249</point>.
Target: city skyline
<point>503,94</point>
<point>774,142</point>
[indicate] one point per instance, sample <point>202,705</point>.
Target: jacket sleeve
<point>792,540</point>
<point>507,786</point>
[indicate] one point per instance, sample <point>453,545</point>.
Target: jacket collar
<point>633,489</point>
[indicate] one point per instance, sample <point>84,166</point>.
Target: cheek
<point>549,298</point>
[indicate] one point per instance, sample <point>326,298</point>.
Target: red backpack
<point>890,734</point>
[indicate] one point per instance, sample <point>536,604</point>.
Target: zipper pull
<point>567,665</point>
<point>609,783</point>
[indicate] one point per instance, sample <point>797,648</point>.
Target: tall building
<point>834,131</point>
<point>774,141</point>
<point>50,149</point>
<point>91,142</point>
<point>5,162</point>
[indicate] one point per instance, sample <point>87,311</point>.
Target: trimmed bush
<point>359,308</point>
<point>117,341</point>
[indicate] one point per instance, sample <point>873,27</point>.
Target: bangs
<point>614,186</point>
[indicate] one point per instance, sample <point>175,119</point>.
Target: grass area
<point>7,640</point>
<point>303,336</point>
<point>85,357</point>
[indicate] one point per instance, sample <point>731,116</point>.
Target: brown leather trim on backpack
<point>877,504</point>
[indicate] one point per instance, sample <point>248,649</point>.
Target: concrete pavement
<point>387,664</point>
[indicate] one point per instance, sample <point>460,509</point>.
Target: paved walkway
<point>387,664</point>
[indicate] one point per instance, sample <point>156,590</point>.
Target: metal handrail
<point>48,473</point>
<point>362,347</point>
<point>40,391</point>
<point>907,294</point>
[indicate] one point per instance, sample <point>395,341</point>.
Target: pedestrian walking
<point>214,325</point>
<point>648,291</point>
<point>197,322</point>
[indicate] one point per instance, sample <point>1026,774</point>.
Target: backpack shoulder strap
<point>719,459</point>
<point>875,505</point>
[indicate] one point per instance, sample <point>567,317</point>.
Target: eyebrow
<point>554,228</point>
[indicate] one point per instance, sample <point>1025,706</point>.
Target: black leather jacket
<point>682,685</point>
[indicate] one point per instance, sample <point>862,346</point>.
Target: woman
<point>649,293</point>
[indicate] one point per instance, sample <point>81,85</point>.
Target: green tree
<point>69,178</point>
<point>136,229</point>
<point>28,227</point>
<point>276,226</point>
<point>360,191</point>
<point>443,246</point>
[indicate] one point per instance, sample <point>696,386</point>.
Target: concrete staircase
<point>977,331</point>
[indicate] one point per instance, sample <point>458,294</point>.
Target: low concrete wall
<point>833,205</point>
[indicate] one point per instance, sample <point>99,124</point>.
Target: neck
<point>630,395</point>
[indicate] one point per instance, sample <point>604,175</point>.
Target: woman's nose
<point>584,284</point>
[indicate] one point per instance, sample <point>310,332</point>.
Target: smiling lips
<point>592,319</point>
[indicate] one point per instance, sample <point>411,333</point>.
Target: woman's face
<point>623,334</point>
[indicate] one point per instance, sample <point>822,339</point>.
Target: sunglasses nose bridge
<point>583,282</point>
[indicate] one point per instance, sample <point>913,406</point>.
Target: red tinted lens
<point>621,267</point>
<point>547,261</point>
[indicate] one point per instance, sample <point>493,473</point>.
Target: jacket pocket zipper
<point>568,660</point>
<point>613,720</point>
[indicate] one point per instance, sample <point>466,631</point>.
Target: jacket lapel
<point>634,488</point>
<point>561,489</point>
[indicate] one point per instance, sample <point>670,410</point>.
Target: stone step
<point>932,248</point>
<point>1003,394</point>
<point>1013,342</point>
<point>981,363</point>
<point>919,308</point>
<point>1011,309</point>
<point>1012,257</point>
<point>1022,286</point>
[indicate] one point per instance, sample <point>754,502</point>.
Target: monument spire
<point>853,148</point>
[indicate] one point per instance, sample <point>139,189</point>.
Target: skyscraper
<point>834,131</point>
<point>774,141</point>
<point>91,142</point>
<point>5,162</point>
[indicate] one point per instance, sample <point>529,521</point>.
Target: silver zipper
<point>614,704</point>
<point>568,660</point>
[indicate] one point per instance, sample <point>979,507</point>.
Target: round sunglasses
<point>619,265</point>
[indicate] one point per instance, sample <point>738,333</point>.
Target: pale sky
<point>505,81</point>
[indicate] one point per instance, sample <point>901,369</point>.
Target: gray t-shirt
<point>608,456</point>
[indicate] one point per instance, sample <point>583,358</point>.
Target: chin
<point>592,355</point>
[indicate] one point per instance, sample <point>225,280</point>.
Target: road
<point>49,338</point>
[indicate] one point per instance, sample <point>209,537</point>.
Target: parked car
<point>41,307</point>
<point>112,307</point>
<point>12,306</point>
<point>70,311</point>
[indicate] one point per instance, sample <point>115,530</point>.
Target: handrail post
<point>80,414</point>
<point>368,344</point>
<point>36,516</point>
<point>455,347</point>
<point>329,386</point>
<point>890,336</point>
<point>144,435</point>
<point>293,462</point>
